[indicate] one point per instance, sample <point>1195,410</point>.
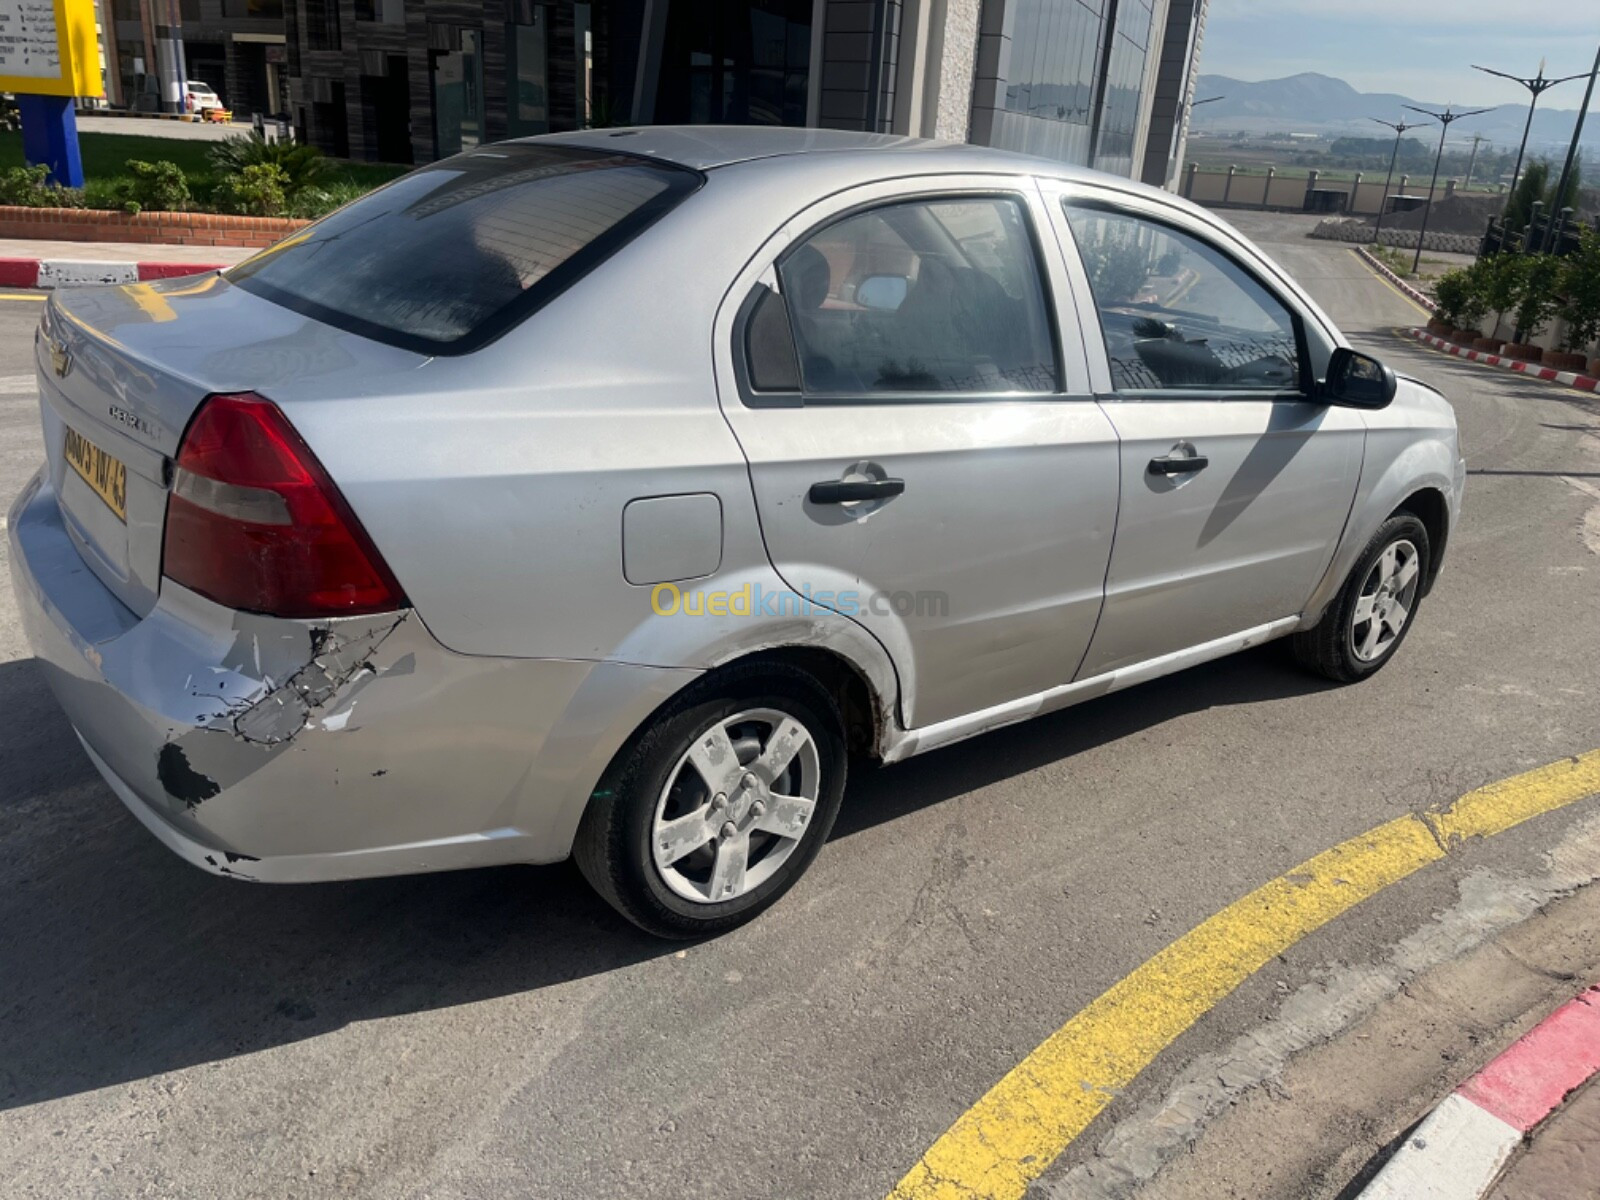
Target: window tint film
<point>769,344</point>
<point>1177,313</point>
<point>930,296</point>
<point>451,255</point>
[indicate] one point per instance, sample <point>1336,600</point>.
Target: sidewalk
<point>122,252</point>
<point>1535,1107</point>
<point>1564,1159</point>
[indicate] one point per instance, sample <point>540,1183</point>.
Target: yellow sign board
<point>49,48</point>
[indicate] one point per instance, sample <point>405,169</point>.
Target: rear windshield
<point>450,256</point>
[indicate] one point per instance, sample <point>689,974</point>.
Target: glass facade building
<point>1083,81</point>
<point>1068,79</point>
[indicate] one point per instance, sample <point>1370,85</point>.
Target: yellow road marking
<point>1009,1137</point>
<point>37,299</point>
<point>1389,284</point>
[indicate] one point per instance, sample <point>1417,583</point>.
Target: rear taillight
<point>254,522</point>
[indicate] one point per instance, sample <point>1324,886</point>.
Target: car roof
<point>861,155</point>
<point>707,147</point>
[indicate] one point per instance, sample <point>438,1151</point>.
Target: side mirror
<point>883,292</point>
<point>1357,380</point>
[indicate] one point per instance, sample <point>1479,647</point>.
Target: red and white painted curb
<point>1417,294</point>
<point>1573,379</point>
<point>71,272</point>
<point>1459,1149</point>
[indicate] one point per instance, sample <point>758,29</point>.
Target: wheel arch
<point>1429,506</point>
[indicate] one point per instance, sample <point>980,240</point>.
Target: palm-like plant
<point>302,166</point>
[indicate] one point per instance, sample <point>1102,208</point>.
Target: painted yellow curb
<point>1009,1137</point>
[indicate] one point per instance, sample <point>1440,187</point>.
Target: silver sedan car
<point>606,494</point>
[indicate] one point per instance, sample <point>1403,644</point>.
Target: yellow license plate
<point>106,475</point>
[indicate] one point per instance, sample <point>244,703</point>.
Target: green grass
<point>105,153</point>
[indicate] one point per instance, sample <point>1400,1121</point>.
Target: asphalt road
<point>502,1033</point>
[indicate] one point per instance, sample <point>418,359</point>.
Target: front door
<point>923,458</point>
<point>1235,485</point>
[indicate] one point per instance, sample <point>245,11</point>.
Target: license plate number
<point>106,475</point>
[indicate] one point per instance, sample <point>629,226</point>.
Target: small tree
<point>1580,285</point>
<point>1532,186</point>
<point>1537,298</point>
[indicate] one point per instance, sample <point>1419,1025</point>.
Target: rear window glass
<point>449,256</point>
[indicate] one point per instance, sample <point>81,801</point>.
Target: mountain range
<point>1313,103</point>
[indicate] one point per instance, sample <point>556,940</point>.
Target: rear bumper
<point>290,751</point>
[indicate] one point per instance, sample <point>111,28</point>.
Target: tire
<point>655,801</point>
<point>1338,646</point>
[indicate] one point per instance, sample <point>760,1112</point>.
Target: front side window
<point>1179,314</point>
<point>451,255</point>
<point>925,296</point>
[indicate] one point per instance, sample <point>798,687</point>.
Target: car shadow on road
<point>118,962</point>
<point>1255,676</point>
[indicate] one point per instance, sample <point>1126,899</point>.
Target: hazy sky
<point>1420,48</point>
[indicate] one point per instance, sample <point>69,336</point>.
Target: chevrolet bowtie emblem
<point>60,358</point>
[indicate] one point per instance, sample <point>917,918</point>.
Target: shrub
<point>316,202</point>
<point>1537,299</point>
<point>302,166</point>
<point>152,187</point>
<point>256,191</point>
<point>30,188</point>
<point>1459,298</point>
<point>1580,284</point>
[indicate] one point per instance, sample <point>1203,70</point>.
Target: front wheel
<point>719,805</point>
<point>1376,607</point>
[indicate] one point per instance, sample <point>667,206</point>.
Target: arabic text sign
<point>48,47</point>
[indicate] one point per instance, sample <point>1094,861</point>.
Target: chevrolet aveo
<point>605,494</point>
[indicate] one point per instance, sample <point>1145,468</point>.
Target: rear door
<point>926,454</point>
<point>1236,484</point>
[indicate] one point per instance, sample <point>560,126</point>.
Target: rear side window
<point>450,256</point>
<point>918,297</point>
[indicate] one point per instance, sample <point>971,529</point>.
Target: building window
<point>528,76</point>
<point>744,62</point>
<point>1055,49</point>
<point>1119,116</point>
<point>458,95</point>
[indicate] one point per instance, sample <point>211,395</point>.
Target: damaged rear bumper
<point>290,751</point>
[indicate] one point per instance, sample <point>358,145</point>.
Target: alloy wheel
<point>736,805</point>
<point>1388,594</point>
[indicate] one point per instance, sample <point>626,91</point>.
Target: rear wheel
<point>719,805</point>
<point>1364,626</point>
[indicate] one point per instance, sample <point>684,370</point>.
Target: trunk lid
<point>121,372</point>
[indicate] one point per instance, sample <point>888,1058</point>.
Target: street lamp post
<point>1537,86</point>
<point>1399,128</point>
<point>1572,150</point>
<point>1445,119</point>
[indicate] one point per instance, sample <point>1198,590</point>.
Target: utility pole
<point>1399,128</point>
<point>1572,150</point>
<point>1472,162</point>
<point>1537,86</point>
<point>1445,119</point>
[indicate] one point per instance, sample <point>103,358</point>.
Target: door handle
<point>842,491</point>
<point>1179,464</point>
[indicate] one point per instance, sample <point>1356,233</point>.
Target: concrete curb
<point>71,272</point>
<point>1572,379</point>
<point>1458,1151</point>
<point>1416,294</point>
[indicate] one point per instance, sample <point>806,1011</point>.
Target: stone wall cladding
<point>1342,230</point>
<point>149,228</point>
